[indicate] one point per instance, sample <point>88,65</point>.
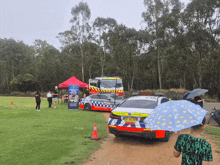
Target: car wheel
<point>166,136</point>
<point>87,107</point>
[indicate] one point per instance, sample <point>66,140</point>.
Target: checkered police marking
<point>118,122</point>
<point>99,104</point>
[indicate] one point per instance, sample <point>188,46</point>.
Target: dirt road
<point>136,151</point>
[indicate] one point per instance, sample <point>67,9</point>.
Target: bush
<point>15,93</point>
<point>178,90</point>
<point>174,95</point>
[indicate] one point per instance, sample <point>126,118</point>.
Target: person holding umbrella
<point>193,96</point>
<point>194,149</point>
<point>198,100</point>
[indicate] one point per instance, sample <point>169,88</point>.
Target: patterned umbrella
<point>175,116</point>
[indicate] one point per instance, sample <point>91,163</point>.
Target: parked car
<point>127,118</point>
<point>100,101</point>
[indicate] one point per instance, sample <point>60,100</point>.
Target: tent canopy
<point>73,81</point>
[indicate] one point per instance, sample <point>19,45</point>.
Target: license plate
<point>130,120</point>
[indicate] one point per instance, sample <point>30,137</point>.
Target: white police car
<point>100,101</point>
<point>127,118</point>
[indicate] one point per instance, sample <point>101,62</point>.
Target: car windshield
<point>111,83</point>
<point>149,104</point>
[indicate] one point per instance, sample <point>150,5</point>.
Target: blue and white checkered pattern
<point>138,124</point>
<point>96,103</point>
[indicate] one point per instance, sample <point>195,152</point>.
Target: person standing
<point>199,101</point>
<point>195,150</point>
<point>55,96</point>
<point>86,93</point>
<point>38,100</point>
<point>49,98</point>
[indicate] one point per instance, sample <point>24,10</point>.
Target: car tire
<point>87,107</point>
<point>166,137</point>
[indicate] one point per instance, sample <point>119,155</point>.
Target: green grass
<point>47,137</point>
<point>215,134</point>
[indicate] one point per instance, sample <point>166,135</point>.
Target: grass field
<point>46,137</point>
<point>215,134</point>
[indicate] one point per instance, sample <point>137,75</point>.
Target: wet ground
<point>139,151</point>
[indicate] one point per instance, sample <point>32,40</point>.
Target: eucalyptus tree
<point>92,55</point>
<point>80,25</point>
<point>103,25</point>
<point>124,61</point>
<point>67,38</point>
<point>46,65</point>
<point>202,21</point>
<point>70,60</point>
<point>154,10</point>
<point>175,45</point>
<point>15,59</point>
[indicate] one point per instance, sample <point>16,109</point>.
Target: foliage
<point>173,95</point>
<point>177,48</point>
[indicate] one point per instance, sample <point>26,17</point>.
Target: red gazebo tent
<point>73,81</point>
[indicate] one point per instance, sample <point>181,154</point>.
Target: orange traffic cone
<point>95,134</point>
<point>11,103</point>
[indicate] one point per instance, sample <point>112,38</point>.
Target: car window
<point>164,100</point>
<point>95,97</point>
<point>103,97</point>
<point>149,104</point>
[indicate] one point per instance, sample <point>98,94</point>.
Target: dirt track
<point>136,151</point>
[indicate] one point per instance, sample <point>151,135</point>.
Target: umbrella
<point>186,94</point>
<point>175,116</point>
<point>196,92</point>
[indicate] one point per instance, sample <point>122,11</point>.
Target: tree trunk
<point>82,66</point>
<point>158,61</point>
<point>184,80</point>
<point>200,70</point>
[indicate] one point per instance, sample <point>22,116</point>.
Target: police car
<point>127,118</point>
<point>100,101</point>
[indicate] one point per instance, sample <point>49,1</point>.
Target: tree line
<point>177,48</point>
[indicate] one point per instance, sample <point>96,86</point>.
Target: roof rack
<point>145,93</point>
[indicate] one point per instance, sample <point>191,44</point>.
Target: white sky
<point>28,20</point>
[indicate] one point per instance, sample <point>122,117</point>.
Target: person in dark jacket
<point>197,100</point>
<point>86,93</point>
<point>38,100</point>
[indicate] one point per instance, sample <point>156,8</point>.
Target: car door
<point>104,98</point>
<point>95,98</point>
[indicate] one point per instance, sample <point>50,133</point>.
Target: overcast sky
<point>28,20</point>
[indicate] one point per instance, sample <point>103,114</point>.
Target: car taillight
<point>114,116</point>
<point>142,119</point>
